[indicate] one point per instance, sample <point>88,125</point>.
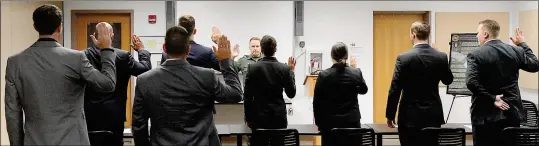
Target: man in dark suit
<point>199,55</point>
<point>264,102</point>
<point>45,85</point>
<point>111,106</point>
<point>492,77</point>
<point>179,97</point>
<point>417,74</point>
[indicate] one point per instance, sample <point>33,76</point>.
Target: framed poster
<point>154,44</point>
<point>313,63</point>
<point>461,44</point>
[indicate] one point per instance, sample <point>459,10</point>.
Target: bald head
<point>103,28</point>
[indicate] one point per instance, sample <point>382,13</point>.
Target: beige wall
<point>17,34</point>
<point>528,24</point>
<point>466,22</point>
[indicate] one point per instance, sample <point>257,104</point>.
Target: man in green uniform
<point>242,63</point>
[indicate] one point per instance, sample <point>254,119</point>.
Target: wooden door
<point>121,24</point>
<point>391,37</point>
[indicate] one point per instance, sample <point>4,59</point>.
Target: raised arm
<point>104,80</point>
<point>140,117</point>
<point>362,87</point>
<point>528,61</point>
<point>13,107</point>
<point>231,91</point>
<point>290,81</point>
<point>144,64</point>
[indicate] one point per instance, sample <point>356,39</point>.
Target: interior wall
<point>528,25</point>
<point>17,34</point>
<point>243,20</point>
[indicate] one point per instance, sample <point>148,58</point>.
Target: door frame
<point>130,12</point>
<point>76,13</point>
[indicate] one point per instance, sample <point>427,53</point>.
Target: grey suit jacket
<point>47,82</point>
<point>179,99</point>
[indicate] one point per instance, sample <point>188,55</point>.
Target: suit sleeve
<point>248,96</point>
<point>319,99</point>
<point>140,117</point>
<point>104,80</point>
<point>394,90</point>
<point>13,107</point>
<point>290,84</point>
<point>362,87</point>
<point>138,67</point>
<point>213,60</point>
<point>231,91</point>
<point>447,75</point>
<point>529,62</point>
<point>472,79</point>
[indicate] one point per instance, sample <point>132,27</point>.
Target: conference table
<point>309,129</point>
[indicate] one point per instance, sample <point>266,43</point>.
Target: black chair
<point>521,136</point>
<point>352,136</point>
<point>275,137</point>
<point>444,136</point>
<point>532,115</point>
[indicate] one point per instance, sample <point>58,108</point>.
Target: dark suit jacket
<point>264,103</point>
<point>111,106</point>
<point>199,55</point>
<point>179,98</point>
<point>493,70</point>
<point>45,93</point>
<point>335,98</point>
<point>417,74</point>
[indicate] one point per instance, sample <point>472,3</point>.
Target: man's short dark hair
<point>492,27</point>
<point>421,30</point>
<point>268,45</point>
<point>47,18</point>
<point>176,40</point>
<point>187,22</point>
<point>254,38</point>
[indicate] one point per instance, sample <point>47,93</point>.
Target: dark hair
<point>187,22</point>
<point>47,18</point>
<point>492,27</point>
<point>268,45</point>
<point>254,38</point>
<point>339,53</point>
<point>421,30</point>
<point>176,40</point>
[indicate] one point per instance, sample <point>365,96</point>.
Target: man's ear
<point>194,31</point>
<point>188,49</point>
<point>164,48</point>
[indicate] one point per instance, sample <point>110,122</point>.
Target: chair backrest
<point>352,136</point>
<point>532,115</point>
<point>521,136</point>
<point>444,136</point>
<point>275,137</point>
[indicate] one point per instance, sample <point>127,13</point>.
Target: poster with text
<point>461,44</point>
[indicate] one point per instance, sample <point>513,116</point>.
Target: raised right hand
<point>291,63</point>
<point>104,39</point>
<point>519,37</point>
<point>222,51</point>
